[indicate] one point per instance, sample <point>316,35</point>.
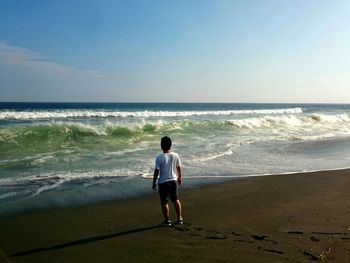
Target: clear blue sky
<point>175,51</point>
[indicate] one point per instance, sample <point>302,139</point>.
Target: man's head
<point>165,143</point>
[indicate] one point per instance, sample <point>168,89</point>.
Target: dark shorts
<point>167,189</point>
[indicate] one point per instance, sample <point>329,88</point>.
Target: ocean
<point>68,154</point>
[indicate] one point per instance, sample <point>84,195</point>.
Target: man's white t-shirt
<point>166,163</point>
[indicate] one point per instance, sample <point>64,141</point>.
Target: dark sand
<point>281,218</point>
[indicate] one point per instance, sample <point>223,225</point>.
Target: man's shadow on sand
<point>83,241</point>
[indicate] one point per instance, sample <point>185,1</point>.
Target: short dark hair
<point>165,143</point>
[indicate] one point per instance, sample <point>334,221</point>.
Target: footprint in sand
<point>194,231</point>
<point>295,232</point>
<point>274,251</point>
<point>213,234</point>
<point>259,237</point>
<point>198,231</point>
<point>315,239</point>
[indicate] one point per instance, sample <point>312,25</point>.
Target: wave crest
<point>290,121</point>
<point>63,114</point>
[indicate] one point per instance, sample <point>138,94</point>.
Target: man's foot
<point>166,223</point>
<point>179,222</point>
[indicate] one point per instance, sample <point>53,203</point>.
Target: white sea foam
<point>328,118</point>
<point>230,176</point>
<point>61,114</point>
<point>29,186</point>
<point>65,176</point>
<point>123,152</point>
<point>48,187</point>
<point>37,158</point>
<point>212,156</point>
<point>290,121</point>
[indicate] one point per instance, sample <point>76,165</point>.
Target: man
<point>168,169</point>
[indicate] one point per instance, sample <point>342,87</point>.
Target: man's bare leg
<point>165,210</point>
<point>178,209</point>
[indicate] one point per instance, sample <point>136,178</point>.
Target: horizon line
<point>168,102</point>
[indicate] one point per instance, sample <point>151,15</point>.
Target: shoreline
<point>296,217</point>
<point>216,181</point>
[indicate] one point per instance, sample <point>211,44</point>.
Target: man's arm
<point>155,177</point>
<point>179,174</point>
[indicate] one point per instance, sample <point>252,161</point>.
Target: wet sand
<point>279,218</point>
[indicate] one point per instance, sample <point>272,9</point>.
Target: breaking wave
<point>62,114</point>
<point>61,133</point>
<point>290,121</point>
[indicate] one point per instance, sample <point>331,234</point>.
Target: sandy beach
<point>254,99</point>
<point>279,218</point>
